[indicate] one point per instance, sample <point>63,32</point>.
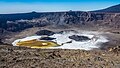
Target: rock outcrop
<point>79,38</point>
<point>45,32</point>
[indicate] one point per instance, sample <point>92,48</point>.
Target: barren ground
<point>19,57</point>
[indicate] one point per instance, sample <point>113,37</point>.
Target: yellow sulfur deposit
<point>37,44</point>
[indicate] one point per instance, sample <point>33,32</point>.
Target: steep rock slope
<point>113,9</point>
<point>18,22</point>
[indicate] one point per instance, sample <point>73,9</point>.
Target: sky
<point>21,6</point>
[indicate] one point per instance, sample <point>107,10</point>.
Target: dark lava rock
<point>45,32</point>
<point>79,38</point>
<point>116,32</point>
<point>47,38</point>
<point>98,59</point>
<point>1,41</point>
<point>66,31</point>
<point>66,42</point>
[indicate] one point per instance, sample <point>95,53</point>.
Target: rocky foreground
<point>20,57</point>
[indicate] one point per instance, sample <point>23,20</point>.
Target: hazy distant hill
<point>113,9</point>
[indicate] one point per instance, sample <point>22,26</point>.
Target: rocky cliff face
<point>18,22</point>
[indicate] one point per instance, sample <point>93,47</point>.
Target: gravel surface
<point>21,57</point>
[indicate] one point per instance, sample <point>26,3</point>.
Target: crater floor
<point>88,40</point>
